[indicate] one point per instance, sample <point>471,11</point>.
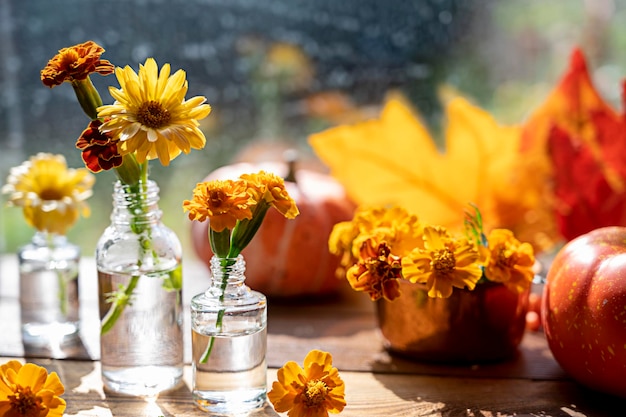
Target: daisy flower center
<point>153,115</point>
<point>51,194</point>
<point>315,393</point>
<point>25,402</point>
<point>443,261</point>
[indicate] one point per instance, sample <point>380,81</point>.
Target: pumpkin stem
<point>291,158</point>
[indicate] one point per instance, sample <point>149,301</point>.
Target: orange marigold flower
<point>509,261</point>
<point>377,271</point>
<point>29,390</point>
<point>99,150</point>
<point>271,188</point>
<point>312,391</point>
<point>399,229</point>
<point>223,202</point>
<point>444,263</point>
<point>75,63</point>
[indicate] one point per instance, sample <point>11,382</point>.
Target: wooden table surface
<point>377,384</point>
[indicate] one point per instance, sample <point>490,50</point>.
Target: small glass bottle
<point>49,304</point>
<point>140,296</point>
<point>229,341</point>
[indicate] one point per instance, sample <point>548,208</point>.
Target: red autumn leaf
<point>585,200</point>
<point>584,141</point>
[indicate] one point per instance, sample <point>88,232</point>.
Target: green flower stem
<point>130,172</point>
<point>220,242</point>
<point>137,208</point>
<point>120,301</point>
<point>62,293</point>
<point>225,263</point>
<point>87,96</point>
<point>62,278</point>
<point>227,246</point>
<point>245,229</point>
<point>209,348</point>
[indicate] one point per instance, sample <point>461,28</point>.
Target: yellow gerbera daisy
<point>150,115</point>
<point>508,260</point>
<point>28,390</point>
<point>313,391</point>
<point>444,263</point>
<point>52,196</point>
<point>223,202</point>
<point>271,188</point>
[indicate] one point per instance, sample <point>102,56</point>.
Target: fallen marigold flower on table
<point>312,391</point>
<point>28,390</point>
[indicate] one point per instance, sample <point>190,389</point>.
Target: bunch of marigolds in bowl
<point>441,296</point>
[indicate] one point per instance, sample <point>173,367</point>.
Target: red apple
<point>584,309</point>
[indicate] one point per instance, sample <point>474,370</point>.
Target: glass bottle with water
<point>229,342</point>
<point>49,303</point>
<point>140,296</point>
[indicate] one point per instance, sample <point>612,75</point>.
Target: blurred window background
<point>276,71</point>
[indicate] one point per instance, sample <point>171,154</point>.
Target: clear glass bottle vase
<point>49,304</point>
<point>229,342</point>
<point>140,296</point>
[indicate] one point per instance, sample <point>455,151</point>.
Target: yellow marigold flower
<point>28,391</point>
<point>509,261</point>
<point>377,271</point>
<point>312,391</point>
<point>75,63</point>
<point>223,202</point>
<point>340,242</point>
<point>401,230</point>
<point>52,196</point>
<point>271,188</point>
<point>444,263</point>
<point>150,115</point>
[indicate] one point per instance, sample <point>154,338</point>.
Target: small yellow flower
<point>28,391</point>
<point>377,271</point>
<point>150,115</point>
<point>223,202</point>
<point>444,263</point>
<point>509,261</point>
<point>271,188</point>
<point>52,196</point>
<point>312,391</point>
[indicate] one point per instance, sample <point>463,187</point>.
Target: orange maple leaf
<point>393,160</point>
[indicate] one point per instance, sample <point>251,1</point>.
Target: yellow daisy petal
<point>150,115</point>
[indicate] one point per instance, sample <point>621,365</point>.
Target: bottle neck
<point>136,205</point>
<point>227,275</point>
<point>49,240</point>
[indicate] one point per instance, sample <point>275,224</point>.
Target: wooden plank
<point>344,325</point>
<point>367,394</point>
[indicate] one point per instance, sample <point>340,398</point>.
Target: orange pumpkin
<point>289,258</point>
